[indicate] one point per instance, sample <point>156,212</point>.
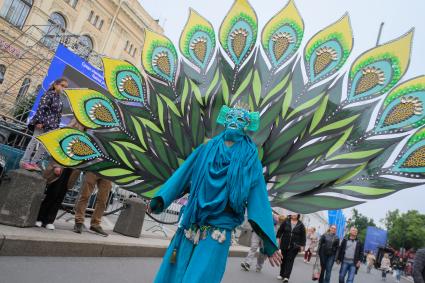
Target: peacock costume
<point>225,180</point>
<point>327,138</point>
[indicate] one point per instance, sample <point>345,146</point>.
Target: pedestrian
<point>350,256</point>
<point>397,267</point>
<point>292,240</point>
<point>370,261</point>
<point>311,244</point>
<point>328,246</point>
<point>419,267</point>
<point>104,187</point>
<point>46,118</point>
<point>385,266</point>
<point>59,180</point>
<point>254,253</point>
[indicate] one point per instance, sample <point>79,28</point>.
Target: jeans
<point>347,267</point>
<point>398,274</point>
<point>256,244</point>
<point>326,263</point>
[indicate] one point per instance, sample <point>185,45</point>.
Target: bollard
<point>20,198</point>
<point>130,221</point>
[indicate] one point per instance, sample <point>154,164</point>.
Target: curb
<point>21,246</point>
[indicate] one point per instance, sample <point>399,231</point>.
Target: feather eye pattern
<point>323,143</point>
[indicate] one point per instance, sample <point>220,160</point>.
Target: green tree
<point>361,222</point>
<point>405,230</point>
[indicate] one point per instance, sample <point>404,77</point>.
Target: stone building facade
<point>31,29</point>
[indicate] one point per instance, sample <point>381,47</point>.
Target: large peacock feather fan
<point>327,139</point>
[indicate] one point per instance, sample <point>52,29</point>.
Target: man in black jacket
<point>350,256</point>
<point>419,267</point>
<point>328,246</point>
<point>292,238</point>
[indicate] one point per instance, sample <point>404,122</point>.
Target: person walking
<point>311,244</point>
<point>350,256</point>
<point>385,266</point>
<point>46,118</point>
<point>370,261</point>
<point>256,246</point>
<point>104,187</point>
<point>328,246</point>
<point>292,240</point>
<point>419,267</point>
<point>397,268</point>
<point>255,251</point>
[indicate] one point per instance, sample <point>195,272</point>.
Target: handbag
<point>316,270</point>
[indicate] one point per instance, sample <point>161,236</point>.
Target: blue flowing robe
<point>215,200</point>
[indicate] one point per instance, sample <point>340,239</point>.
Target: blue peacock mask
<point>238,119</point>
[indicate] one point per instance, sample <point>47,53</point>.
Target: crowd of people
<point>294,238</point>
<point>59,180</point>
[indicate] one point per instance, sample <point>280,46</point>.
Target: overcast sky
<point>366,16</point>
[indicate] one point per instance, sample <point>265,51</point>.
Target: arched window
<point>86,45</point>
<point>24,87</point>
<point>16,11</point>
<point>56,25</point>
<point>2,73</point>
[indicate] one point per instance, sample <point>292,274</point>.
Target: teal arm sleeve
<point>260,214</point>
<point>175,185</point>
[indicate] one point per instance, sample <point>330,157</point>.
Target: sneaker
<point>245,266</point>
<point>258,269</point>
<point>279,277</point>
<point>285,280</point>
<point>50,227</point>
<point>99,230</point>
<point>78,228</point>
<point>38,224</point>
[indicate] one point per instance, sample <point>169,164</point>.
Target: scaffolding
<point>29,52</point>
<point>26,53</point>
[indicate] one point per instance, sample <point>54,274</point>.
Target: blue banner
<point>337,218</point>
<point>78,72</point>
<point>375,238</point>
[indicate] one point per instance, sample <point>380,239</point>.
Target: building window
<point>72,3</point>
<point>127,43</point>
<point>37,89</point>
<point>86,45</point>
<point>24,87</point>
<point>55,27</point>
<point>134,52</point>
<point>16,11</point>
<point>2,73</point>
<point>95,20</point>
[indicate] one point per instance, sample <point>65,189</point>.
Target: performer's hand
<point>358,264</point>
<point>276,258</point>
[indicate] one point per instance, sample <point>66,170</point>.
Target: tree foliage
<point>361,222</point>
<point>405,230</point>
